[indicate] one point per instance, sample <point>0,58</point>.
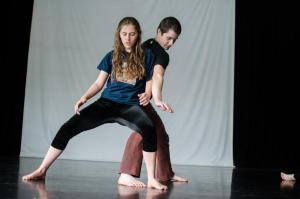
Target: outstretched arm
<point>157,85</point>
<point>92,91</point>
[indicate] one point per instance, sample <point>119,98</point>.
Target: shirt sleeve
<point>106,63</point>
<point>162,59</point>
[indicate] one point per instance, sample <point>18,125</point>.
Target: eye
<point>132,34</point>
<point>171,39</point>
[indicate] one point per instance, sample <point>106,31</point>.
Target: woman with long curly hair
<point>126,70</point>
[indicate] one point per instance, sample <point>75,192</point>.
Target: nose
<point>127,38</point>
<point>171,42</point>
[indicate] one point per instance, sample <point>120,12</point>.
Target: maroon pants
<point>133,157</point>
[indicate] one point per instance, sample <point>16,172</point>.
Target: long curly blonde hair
<point>135,60</point>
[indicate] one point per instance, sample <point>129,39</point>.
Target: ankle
<point>42,170</point>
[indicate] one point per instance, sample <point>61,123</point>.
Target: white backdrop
<point>70,37</point>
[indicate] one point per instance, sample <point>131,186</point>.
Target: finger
<point>161,107</point>
<point>77,110</point>
<point>168,108</point>
<point>144,102</point>
<point>141,97</point>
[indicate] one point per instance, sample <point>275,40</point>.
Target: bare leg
<point>40,173</point>
<point>150,158</point>
<point>132,157</point>
<point>163,171</point>
<point>288,177</point>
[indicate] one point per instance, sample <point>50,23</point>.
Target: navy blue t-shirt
<point>161,56</point>
<point>126,91</point>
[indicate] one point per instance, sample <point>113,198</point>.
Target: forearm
<point>148,89</point>
<point>96,86</point>
<point>157,85</point>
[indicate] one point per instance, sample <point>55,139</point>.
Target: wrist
<point>84,99</point>
<point>156,100</point>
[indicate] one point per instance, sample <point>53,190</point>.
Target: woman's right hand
<point>78,104</point>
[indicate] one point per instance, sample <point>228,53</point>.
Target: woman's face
<point>129,36</point>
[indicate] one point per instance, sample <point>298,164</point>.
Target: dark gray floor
<point>85,179</point>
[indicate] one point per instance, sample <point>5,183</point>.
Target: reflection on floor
<point>86,179</point>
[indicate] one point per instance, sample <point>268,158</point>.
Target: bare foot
<point>155,194</point>
<point>128,180</point>
<point>156,185</point>
<point>36,175</point>
<point>287,184</point>
<point>129,192</point>
<point>40,187</point>
<point>176,178</point>
<point>285,176</point>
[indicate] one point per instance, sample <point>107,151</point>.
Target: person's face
<point>129,36</point>
<point>167,39</point>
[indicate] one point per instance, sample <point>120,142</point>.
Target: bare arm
<point>157,85</point>
<point>92,91</point>
<point>157,82</point>
<point>148,89</point>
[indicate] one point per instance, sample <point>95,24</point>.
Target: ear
<point>159,31</point>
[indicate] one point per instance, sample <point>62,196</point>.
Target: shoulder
<point>153,45</point>
<point>109,54</point>
<point>148,43</point>
<point>106,61</point>
<point>156,48</point>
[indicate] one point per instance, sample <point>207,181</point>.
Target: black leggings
<point>105,111</point>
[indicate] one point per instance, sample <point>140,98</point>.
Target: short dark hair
<point>170,23</point>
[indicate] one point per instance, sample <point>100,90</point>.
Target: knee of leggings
<point>62,138</point>
<point>149,140</point>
